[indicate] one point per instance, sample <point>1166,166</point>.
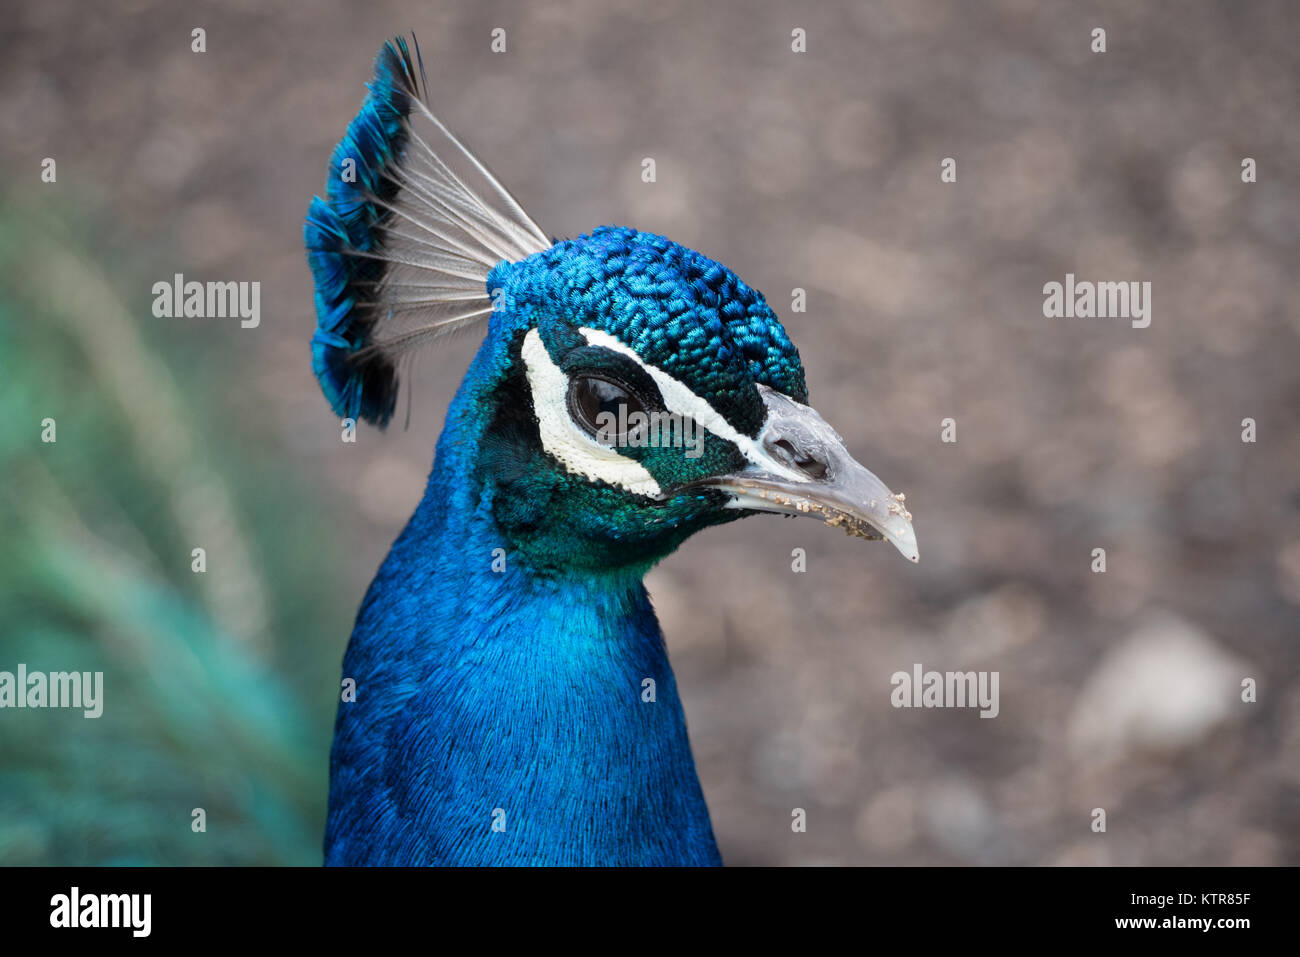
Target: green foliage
<point>219,688</point>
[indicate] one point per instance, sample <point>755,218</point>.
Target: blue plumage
<point>680,311</point>
<point>508,697</point>
<point>343,225</point>
<point>514,701</point>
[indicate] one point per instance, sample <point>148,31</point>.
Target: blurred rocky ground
<point>820,170</point>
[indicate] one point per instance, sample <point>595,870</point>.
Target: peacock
<point>513,700</point>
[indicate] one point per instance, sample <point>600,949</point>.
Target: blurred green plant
<point>219,687</point>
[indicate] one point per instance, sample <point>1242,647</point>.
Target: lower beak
<point>800,467</point>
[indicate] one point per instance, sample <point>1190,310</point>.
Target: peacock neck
<point>505,715</point>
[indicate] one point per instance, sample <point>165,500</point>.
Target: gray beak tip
<point>905,542</point>
<point>897,527</point>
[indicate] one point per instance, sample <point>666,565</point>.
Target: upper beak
<point>799,466</point>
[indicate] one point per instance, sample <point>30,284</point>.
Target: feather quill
<point>402,244</point>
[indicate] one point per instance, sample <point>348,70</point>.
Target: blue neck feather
<point>510,697</point>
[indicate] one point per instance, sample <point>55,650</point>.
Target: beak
<point>799,466</point>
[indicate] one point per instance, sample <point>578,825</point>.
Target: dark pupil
<point>597,400</point>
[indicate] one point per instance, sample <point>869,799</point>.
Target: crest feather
<point>402,244</point>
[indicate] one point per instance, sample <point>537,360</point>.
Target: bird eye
<point>602,407</point>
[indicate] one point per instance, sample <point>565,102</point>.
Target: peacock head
<point>629,391</point>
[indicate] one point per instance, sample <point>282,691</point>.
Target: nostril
<point>815,468</point>
<point>805,462</point>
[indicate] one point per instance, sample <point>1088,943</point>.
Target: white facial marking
<point>678,398</point>
<point>578,452</point>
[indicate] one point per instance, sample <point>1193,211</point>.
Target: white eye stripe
<point>582,455</point>
<point>562,438</point>
<point>680,399</point>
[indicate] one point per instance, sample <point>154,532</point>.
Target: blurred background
<point>817,170</point>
